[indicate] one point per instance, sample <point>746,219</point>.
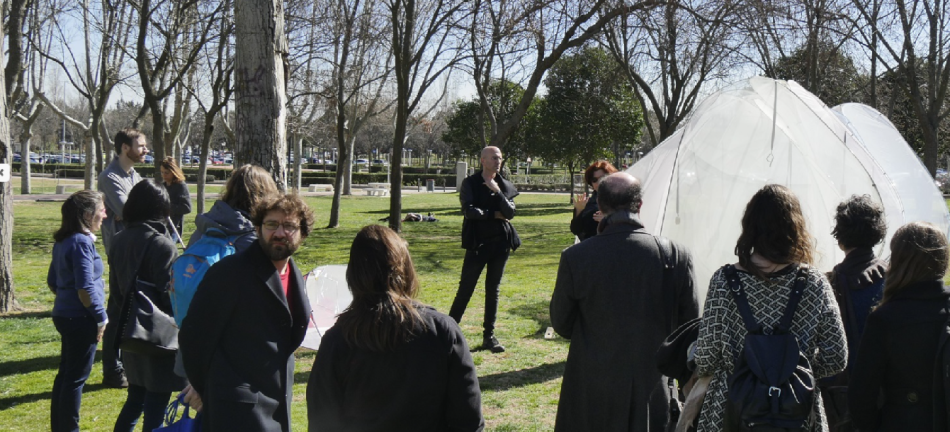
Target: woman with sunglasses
<point>587,214</point>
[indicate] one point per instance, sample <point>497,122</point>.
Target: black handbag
<point>145,328</point>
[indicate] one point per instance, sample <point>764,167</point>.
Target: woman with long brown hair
<point>900,342</point>
<point>79,309</point>
<point>773,246</point>
<point>391,363</point>
<point>178,193</point>
<point>587,214</point>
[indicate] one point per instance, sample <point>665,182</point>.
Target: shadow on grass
<point>20,367</point>
<point>28,315</point>
<point>507,380</point>
<point>538,311</point>
<point>10,402</point>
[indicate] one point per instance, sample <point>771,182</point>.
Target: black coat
<point>238,342</point>
<point>155,373</point>
<point>479,205</point>
<point>426,385</point>
<point>609,301</point>
<point>583,224</point>
<point>896,360</point>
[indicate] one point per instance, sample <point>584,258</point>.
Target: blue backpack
<point>188,270</point>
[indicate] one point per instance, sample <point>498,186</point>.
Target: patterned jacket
<point>817,326</point>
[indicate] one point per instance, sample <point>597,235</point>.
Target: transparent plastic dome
<point>698,182</point>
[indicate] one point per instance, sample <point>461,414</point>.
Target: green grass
<point>45,185</point>
<point>519,387</point>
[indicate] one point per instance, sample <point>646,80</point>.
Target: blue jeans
<point>138,401</point>
<point>77,353</point>
<point>495,256</point>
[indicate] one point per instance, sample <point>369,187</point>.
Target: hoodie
<point>227,219</point>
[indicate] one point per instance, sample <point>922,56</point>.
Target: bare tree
<point>534,34</point>
<point>669,54</point>
<point>93,73</point>
<point>360,68</point>
<point>425,45</point>
<point>218,61</point>
<point>170,38</point>
<point>917,52</point>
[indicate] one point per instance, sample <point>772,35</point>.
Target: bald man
<point>487,237</point>
<point>612,302</point>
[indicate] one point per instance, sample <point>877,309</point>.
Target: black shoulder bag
<point>669,293</point>
<point>772,387</point>
<point>144,327</point>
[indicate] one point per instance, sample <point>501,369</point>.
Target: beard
<point>279,249</point>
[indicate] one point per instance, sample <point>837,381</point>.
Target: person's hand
<point>598,216</point>
<point>580,202</point>
<point>493,185</point>
<point>99,332</point>
<point>190,396</point>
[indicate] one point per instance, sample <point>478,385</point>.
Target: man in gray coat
<point>609,300</point>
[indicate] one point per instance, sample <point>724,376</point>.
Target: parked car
<point>149,159</point>
<point>17,157</point>
<point>380,162</point>
<point>361,162</point>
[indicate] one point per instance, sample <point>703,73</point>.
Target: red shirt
<point>285,283</point>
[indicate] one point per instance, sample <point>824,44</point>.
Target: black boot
<point>491,343</point>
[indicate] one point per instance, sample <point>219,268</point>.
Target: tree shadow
<point>28,315</point>
<point>507,380</point>
<point>10,402</point>
<point>20,367</point>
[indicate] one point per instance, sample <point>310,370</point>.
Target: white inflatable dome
<point>698,181</point>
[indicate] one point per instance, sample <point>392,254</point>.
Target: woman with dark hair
<point>247,187</point>
<point>900,342</point>
<point>178,193</point>
<point>858,282</point>
<point>391,363</point>
<point>79,311</point>
<point>773,245</point>
<point>144,251</point>
<point>586,212</point>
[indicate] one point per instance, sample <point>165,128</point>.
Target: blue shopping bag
<point>184,424</point>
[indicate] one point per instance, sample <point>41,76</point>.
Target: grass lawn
<point>519,387</point>
<point>45,185</point>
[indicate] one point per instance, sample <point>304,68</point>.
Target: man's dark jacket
<point>609,301</point>
<point>479,205</point>
<point>238,341</point>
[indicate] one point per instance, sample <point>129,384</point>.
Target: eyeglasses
<point>289,227</point>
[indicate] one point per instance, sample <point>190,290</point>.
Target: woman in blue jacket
<point>79,312</point>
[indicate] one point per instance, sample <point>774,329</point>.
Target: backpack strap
<point>786,322</point>
<point>742,304</point>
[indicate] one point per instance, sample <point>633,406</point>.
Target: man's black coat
<point>238,341</point>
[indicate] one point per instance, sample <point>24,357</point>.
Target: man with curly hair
<point>858,282</point>
<point>248,316</point>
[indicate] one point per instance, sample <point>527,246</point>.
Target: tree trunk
<point>89,179</point>
<point>298,163</point>
<point>25,167</point>
<point>7,296</point>
<point>260,87</point>
<point>203,164</point>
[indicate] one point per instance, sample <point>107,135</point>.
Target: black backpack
<point>772,388</point>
